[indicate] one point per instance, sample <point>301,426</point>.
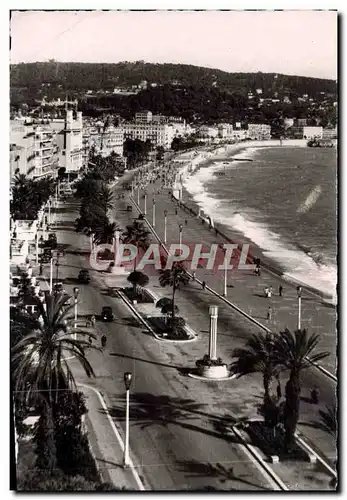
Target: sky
<point>290,42</point>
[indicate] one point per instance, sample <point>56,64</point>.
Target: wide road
<point>176,439</point>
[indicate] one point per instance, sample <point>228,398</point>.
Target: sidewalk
<point>193,303</point>
<point>245,289</point>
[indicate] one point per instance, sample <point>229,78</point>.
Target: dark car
<point>83,276</point>
<point>52,240</point>
<point>107,314</point>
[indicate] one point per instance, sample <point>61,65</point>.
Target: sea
<point>283,200</point>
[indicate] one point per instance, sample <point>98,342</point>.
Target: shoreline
<point>232,235</point>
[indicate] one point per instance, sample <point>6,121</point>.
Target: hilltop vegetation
<point>83,76</point>
<point>195,93</point>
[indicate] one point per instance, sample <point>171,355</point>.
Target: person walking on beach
<point>280,290</point>
<point>269,314</point>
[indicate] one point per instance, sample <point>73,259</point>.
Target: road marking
<point>118,436</point>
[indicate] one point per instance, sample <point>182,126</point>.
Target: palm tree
<point>166,306</point>
<point>293,350</point>
<point>104,198</point>
<point>259,355</point>
<point>137,235</point>
<point>174,277</point>
<point>39,356</point>
<point>328,421</point>
<point>137,278</point>
<point>39,366</point>
<point>105,233</point>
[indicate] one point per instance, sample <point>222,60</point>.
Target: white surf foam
<point>297,264</point>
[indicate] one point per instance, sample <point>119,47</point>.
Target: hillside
<point>83,76</point>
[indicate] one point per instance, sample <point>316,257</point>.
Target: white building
<point>70,142</point>
<point>143,117</point>
<point>159,134</point>
<point>33,150</point>
<point>104,141</point>
<point>225,130</point>
<point>259,131</point>
<point>329,133</point>
<point>312,132</point>
<point>208,132</point>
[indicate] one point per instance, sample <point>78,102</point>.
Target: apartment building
<point>143,117</point>
<point>208,132</point>
<point>300,132</point>
<point>70,141</point>
<point>259,131</point>
<point>225,130</point>
<point>104,141</point>
<point>159,134</point>
<point>33,150</point>
<point>329,133</point>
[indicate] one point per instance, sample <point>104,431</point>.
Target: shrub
<point>207,361</point>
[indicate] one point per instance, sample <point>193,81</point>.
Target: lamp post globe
<point>127,380</point>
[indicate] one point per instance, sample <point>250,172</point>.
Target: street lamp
<point>165,221</point>
<point>299,292</point>
<point>127,381</point>
<point>76,292</point>
<point>37,247</point>
<point>180,228</point>
<point>225,273</point>
<point>153,213</point>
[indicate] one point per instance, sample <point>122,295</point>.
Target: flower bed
<point>272,441</point>
<point>142,297</point>
<point>161,328</point>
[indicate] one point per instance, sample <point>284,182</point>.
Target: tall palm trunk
<point>173,299</point>
<point>135,260</point>
<point>45,439</point>
<point>292,407</point>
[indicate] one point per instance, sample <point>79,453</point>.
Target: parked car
<point>107,314</point>
<point>52,240</point>
<point>83,276</point>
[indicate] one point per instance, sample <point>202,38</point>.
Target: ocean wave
<point>297,263</point>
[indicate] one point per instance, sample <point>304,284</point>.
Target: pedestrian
<point>186,222</point>
<point>41,269</point>
<point>193,275</point>
<point>176,212</point>
<point>315,395</point>
<point>90,340</point>
<point>92,320</point>
<point>271,291</point>
<point>203,284</point>
<point>103,341</point>
<point>269,314</point>
<point>280,290</point>
<point>266,291</point>
<point>278,389</point>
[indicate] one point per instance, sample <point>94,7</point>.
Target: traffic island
<point>164,331</point>
<point>211,369</point>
